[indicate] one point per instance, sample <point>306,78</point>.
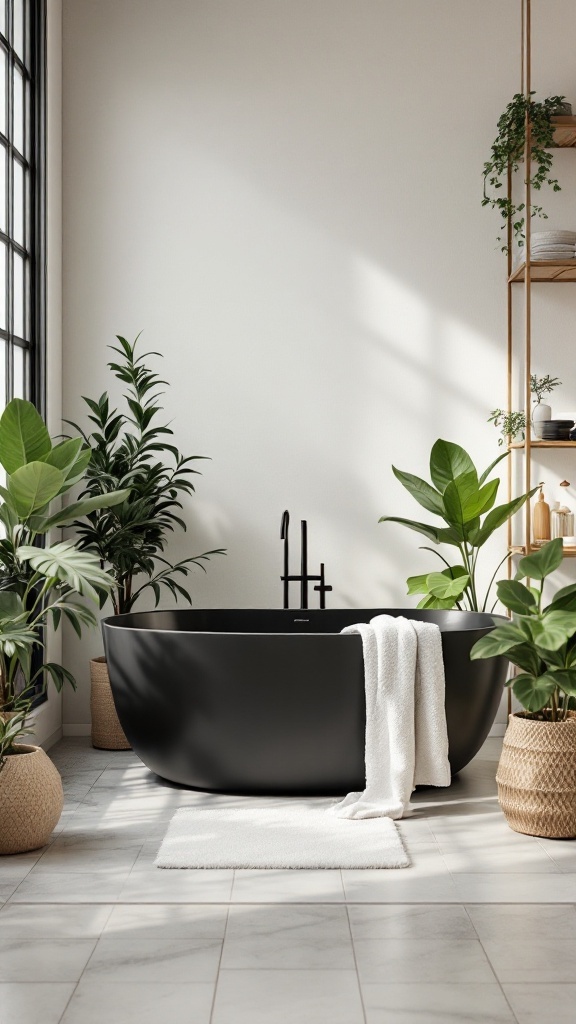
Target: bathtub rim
<point>113,621</point>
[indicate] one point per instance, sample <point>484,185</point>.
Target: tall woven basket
<point>537,777</point>
<point>107,733</point>
<point>31,800</point>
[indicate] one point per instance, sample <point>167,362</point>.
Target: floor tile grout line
<point>497,979</point>
<point>360,990</point>
<point>213,1004</point>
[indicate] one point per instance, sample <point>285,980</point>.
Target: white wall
<point>285,196</point>
<point>48,718</point>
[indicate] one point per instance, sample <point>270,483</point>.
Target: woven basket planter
<point>537,777</point>
<point>107,733</point>
<point>31,800</point>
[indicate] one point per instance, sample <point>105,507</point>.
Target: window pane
<point>3,286</point>
<point>18,294</point>
<point>18,225</point>
<point>2,186</point>
<point>2,85</point>
<point>3,17</point>
<point>18,133</point>
<point>19,372</point>
<point>19,28</point>
<point>2,372</point>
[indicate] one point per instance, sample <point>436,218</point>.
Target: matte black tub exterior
<point>258,701</point>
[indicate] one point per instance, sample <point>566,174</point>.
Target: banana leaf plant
<point>40,582</point>
<point>540,641</point>
<point>460,496</point>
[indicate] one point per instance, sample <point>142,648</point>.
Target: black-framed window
<point>22,209</point>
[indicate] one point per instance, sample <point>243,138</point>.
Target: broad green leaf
<point>64,455</point>
<point>431,532</point>
<point>79,569</point>
<point>533,692</point>
<point>460,495</point>
<point>498,516</point>
<point>527,658</point>
<point>564,678</point>
<point>444,585</point>
<point>516,597</point>
<point>541,563</point>
<point>437,602</point>
<point>447,461</point>
<point>564,599</point>
<point>553,629</point>
<point>76,472</point>
<point>423,492</point>
<point>498,641</point>
<point>23,435</point>
<point>417,584</point>
<point>486,473</point>
<point>33,486</point>
<point>82,508</point>
<point>11,606</point>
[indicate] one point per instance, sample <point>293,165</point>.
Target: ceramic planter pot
<point>540,412</point>
<point>31,800</point>
<point>537,777</point>
<point>107,733</point>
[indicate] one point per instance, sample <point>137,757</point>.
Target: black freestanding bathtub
<point>257,701</point>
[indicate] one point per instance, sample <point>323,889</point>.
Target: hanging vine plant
<point>508,149</point>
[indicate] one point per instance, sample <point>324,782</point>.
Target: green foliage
<point>541,386</point>
<point>460,497</point>
<point>540,641</point>
<point>37,583</point>
<point>130,450</point>
<point>507,152</point>
<point>511,425</point>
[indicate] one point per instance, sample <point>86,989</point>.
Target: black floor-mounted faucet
<point>304,578</point>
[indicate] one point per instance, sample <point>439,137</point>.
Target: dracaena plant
<point>460,497</point>
<point>129,449</point>
<point>540,641</point>
<point>39,581</point>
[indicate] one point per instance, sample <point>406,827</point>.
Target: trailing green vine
<point>508,150</point>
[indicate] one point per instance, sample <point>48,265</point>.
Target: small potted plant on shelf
<point>130,449</point>
<point>459,496</point>
<point>537,771</point>
<point>513,424</point>
<point>541,386</point>
<point>508,153</point>
<point>40,583</point>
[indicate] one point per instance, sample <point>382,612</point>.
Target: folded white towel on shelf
<point>552,235</point>
<point>406,734</point>
<point>552,247</point>
<point>551,254</point>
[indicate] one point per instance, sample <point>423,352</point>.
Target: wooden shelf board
<point>543,444</point>
<point>519,549</point>
<point>564,132</point>
<point>553,271</point>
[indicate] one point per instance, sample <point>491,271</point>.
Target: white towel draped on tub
<point>406,735</point>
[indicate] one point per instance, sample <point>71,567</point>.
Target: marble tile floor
<point>481,928</point>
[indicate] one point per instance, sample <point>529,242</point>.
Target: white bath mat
<point>279,837</point>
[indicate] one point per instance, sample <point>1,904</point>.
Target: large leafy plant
<point>39,582</point>
<point>130,449</point>
<point>460,497</point>
<point>540,641</point>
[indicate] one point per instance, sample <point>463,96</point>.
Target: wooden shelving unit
<point>527,273</point>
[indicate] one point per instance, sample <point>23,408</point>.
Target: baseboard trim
<point>76,730</point>
<point>52,739</point>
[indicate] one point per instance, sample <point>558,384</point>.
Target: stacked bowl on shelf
<point>556,430</point>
